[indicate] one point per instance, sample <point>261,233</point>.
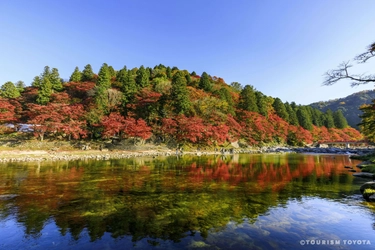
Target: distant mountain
<point>349,105</point>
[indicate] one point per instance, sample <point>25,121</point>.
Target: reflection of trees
<point>166,198</point>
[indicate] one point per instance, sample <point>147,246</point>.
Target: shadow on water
<point>238,202</point>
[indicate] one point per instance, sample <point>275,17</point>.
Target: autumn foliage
<point>139,103</point>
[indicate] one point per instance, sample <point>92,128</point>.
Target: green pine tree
<point>20,85</point>
<point>111,71</point>
<point>44,92</point>
<point>128,85</point>
<point>55,80</point>
<point>87,74</point>
<point>339,119</point>
<point>142,78</point>
<point>121,73</point>
<point>236,86</point>
<point>37,82</point>
<point>328,119</point>
<point>169,72</point>
<point>180,94</point>
<point>76,75</point>
<point>46,72</point>
<point>9,90</point>
<point>101,89</point>
<point>205,83</point>
<point>188,78</point>
<point>104,79</point>
<point>304,118</point>
<point>248,100</point>
<point>293,119</point>
<point>261,101</point>
<point>317,117</point>
<point>225,95</point>
<point>280,109</point>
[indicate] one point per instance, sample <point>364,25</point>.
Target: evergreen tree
<point>236,86</point>
<point>180,94</point>
<point>20,85</point>
<point>339,119</point>
<point>205,83</point>
<point>121,73</point>
<point>293,119</point>
<point>53,77</point>
<point>280,109</point>
<point>44,92</point>
<point>46,72</point>
<point>37,82</point>
<point>142,78</point>
<point>188,78</point>
<point>129,86</point>
<point>111,71</point>
<point>317,117</point>
<point>328,119</point>
<point>87,74</point>
<point>225,95</point>
<point>55,80</point>
<point>261,101</point>
<point>368,120</point>
<point>304,118</point>
<point>193,73</point>
<point>76,75</point>
<point>149,72</point>
<point>101,99</point>
<point>248,99</point>
<point>169,72</point>
<point>104,79</point>
<point>101,89</point>
<point>9,90</point>
<point>294,106</point>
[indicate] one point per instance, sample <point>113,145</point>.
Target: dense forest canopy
<point>162,104</point>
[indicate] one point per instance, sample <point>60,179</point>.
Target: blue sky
<point>281,47</point>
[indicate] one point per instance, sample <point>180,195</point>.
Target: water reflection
<point>176,202</point>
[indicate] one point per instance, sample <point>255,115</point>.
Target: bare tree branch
<point>342,72</point>
<point>362,58</point>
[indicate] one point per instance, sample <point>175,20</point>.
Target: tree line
<point>162,104</point>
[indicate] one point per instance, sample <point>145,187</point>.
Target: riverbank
<point>22,154</point>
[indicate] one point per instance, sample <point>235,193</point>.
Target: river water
<point>274,201</point>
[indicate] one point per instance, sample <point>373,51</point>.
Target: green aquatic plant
<point>367,193</point>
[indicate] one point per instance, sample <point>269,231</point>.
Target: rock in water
<point>364,175</point>
<point>367,190</point>
<point>363,164</point>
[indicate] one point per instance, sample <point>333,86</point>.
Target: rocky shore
<point>45,155</point>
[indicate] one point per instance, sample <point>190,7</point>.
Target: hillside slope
<point>349,105</point>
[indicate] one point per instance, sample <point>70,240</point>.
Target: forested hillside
<point>348,105</point>
<point>164,105</point>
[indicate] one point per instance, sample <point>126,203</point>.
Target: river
<point>270,201</point>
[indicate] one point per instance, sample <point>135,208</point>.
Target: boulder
<point>367,190</point>
<point>364,164</point>
<point>364,175</point>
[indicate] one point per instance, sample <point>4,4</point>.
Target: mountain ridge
<point>349,105</point>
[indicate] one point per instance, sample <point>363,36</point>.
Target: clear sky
<point>281,47</point>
